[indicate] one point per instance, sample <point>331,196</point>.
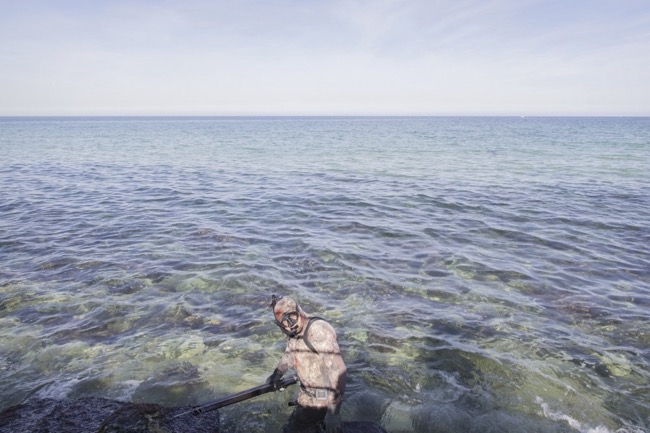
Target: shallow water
<point>484,274</point>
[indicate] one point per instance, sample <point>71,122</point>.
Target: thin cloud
<point>325,57</point>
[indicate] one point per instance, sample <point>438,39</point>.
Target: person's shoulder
<point>321,325</point>
<point>321,337</point>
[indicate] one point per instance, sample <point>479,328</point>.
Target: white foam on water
<point>126,389</point>
<point>574,423</point>
<point>58,390</point>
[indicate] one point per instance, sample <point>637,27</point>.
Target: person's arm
<point>333,372</point>
<point>337,374</point>
<point>286,362</point>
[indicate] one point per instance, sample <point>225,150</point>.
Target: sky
<point>324,57</point>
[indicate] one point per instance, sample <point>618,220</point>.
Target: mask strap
<point>274,300</point>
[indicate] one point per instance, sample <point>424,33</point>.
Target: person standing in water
<point>313,352</point>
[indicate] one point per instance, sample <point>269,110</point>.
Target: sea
<point>483,274</point>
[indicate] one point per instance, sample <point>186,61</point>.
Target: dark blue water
<point>484,274</point>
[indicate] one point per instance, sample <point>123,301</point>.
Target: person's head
<point>288,315</point>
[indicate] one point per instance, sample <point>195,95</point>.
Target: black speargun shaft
<point>244,395</point>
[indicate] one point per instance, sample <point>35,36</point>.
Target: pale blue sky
<point>318,57</point>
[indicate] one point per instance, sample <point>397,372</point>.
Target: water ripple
<point>468,292</point>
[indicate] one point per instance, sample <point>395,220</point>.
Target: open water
<point>483,274</point>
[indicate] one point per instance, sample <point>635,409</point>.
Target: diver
<point>313,352</point>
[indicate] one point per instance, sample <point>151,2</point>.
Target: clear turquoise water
<point>484,274</point>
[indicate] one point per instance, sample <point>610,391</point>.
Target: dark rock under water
<point>100,415</point>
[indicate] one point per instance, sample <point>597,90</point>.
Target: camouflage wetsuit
<point>313,352</point>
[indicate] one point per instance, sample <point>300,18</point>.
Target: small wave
<point>126,389</point>
<point>577,425</point>
<point>58,390</point>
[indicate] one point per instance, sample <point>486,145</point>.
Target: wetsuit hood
<point>290,313</point>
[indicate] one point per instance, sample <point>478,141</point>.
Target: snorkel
<point>289,320</point>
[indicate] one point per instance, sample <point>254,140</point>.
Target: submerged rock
<point>362,427</point>
<point>100,415</point>
<point>152,418</point>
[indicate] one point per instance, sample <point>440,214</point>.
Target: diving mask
<point>288,323</point>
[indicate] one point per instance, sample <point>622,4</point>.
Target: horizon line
<point>242,116</point>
